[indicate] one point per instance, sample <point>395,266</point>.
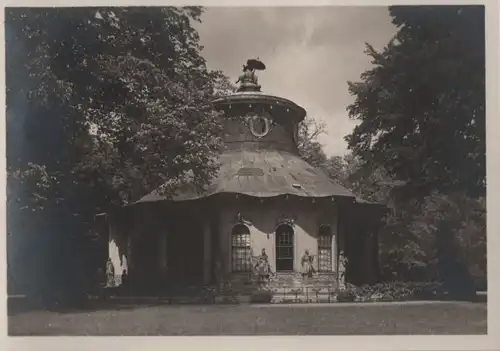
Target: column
<point>129,250</point>
<point>207,252</point>
<point>334,251</point>
<point>370,269</point>
<point>162,247</point>
<point>223,256</point>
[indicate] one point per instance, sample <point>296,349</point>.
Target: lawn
<point>425,318</point>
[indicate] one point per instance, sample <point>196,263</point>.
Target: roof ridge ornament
<point>248,80</point>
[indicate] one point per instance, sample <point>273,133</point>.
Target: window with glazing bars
<point>284,248</point>
<point>241,250</point>
<point>325,249</point>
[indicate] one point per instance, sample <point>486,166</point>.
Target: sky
<point>310,54</point>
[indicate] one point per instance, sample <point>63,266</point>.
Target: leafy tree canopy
<point>422,106</point>
<point>103,106</point>
<point>119,99</point>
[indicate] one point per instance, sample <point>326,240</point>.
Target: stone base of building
<point>288,287</point>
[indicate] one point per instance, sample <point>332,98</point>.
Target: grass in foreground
<point>165,320</point>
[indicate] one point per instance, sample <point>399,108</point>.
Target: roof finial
<point>248,80</point>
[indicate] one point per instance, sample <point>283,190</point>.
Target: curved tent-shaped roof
<point>264,174</point>
<point>249,97</point>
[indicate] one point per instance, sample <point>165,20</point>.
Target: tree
<point>310,149</point>
<point>455,228</point>
<point>109,104</point>
<point>411,240</point>
<point>422,106</point>
<point>422,127</point>
<point>129,76</point>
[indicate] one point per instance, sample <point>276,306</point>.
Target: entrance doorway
<point>284,248</point>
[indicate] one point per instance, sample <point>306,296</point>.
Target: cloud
<point>310,54</point>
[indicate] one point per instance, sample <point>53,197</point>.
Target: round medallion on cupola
<point>260,125</point>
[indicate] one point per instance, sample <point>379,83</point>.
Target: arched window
<point>325,253</point>
<point>284,248</point>
<point>241,249</point>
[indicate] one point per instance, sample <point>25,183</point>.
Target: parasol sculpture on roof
<point>248,80</point>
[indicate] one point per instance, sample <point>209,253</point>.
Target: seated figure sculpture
<point>248,80</point>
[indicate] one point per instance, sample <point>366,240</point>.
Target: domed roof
<point>263,174</point>
<point>254,97</point>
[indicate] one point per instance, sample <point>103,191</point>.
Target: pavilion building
<point>266,204</point>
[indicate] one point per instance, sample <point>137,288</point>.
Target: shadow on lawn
<point>104,300</point>
<point>17,306</point>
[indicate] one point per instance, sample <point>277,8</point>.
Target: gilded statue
<point>110,273</point>
<point>307,263</point>
<point>262,267</point>
<point>248,80</point>
<point>342,267</point>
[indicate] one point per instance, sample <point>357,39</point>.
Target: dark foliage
<point>103,106</point>
<point>420,144</point>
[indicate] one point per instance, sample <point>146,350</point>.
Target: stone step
<point>302,299</point>
<point>311,288</point>
<point>309,291</point>
<point>228,299</point>
<point>304,295</point>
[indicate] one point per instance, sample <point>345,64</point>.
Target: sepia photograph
<point>246,171</point>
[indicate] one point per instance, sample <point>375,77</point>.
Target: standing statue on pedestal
<point>110,273</point>
<point>307,264</point>
<point>342,268</point>
<point>262,267</point>
<point>248,80</point>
